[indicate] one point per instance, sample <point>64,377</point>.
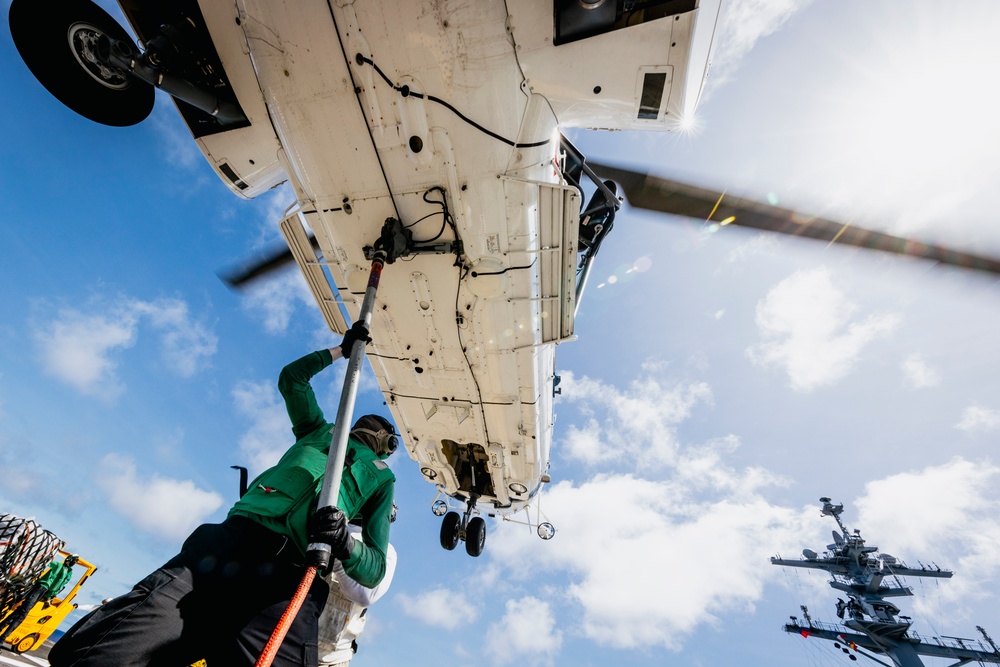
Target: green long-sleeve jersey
<point>54,579</point>
<point>283,497</point>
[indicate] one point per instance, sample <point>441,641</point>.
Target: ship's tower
<point>869,622</point>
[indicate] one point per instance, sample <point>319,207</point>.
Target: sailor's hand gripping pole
<point>319,553</point>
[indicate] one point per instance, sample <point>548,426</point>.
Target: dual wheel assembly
<point>457,527</point>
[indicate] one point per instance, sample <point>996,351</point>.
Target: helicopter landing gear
<point>450,528</point>
<point>475,536</point>
<point>465,527</point>
<point>61,44</point>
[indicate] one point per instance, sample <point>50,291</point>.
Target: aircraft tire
<point>49,35</point>
<point>449,530</point>
<point>475,536</point>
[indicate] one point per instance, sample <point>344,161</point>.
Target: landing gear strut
<point>465,527</point>
<point>90,63</point>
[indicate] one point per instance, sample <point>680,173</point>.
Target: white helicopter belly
<point>463,351</point>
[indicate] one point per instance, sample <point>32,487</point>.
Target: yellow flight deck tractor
<point>27,554</point>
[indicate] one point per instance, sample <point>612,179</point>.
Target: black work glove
<point>329,526</point>
<point>357,332</point>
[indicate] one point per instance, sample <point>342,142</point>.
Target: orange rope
<point>274,643</point>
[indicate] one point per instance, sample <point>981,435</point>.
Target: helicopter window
<point>652,94</point>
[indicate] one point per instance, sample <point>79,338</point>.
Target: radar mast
<point>869,623</point>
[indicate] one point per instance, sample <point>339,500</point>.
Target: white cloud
<point>165,508</point>
<point>82,348</point>
<point>806,327</point>
<point>276,298</point>
<point>526,631</point>
<point>440,607</point>
<point>640,422</point>
<point>977,419</point>
<point>651,555</point>
<point>176,138</point>
<point>945,514</point>
<point>270,433</point>
<point>186,344</point>
<point>917,374</point>
<point>742,24</point>
<point>761,244</point>
<point>77,349</point>
<point>647,561</point>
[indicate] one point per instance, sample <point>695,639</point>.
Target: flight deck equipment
<point>874,625</point>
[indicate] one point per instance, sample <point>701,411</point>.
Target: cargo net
<point>26,549</point>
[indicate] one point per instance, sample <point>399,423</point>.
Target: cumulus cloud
<point>440,607</point>
<point>698,558</point>
<point>165,508</point>
<point>806,327</point>
<point>977,420</point>
<point>950,516</point>
<point>270,433</point>
<point>917,374</point>
<point>527,632</point>
<point>648,407</point>
<point>82,349</point>
<point>77,349</point>
<point>698,529</point>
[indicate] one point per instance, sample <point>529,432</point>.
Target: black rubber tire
<point>41,32</point>
<point>449,530</point>
<point>475,536</point>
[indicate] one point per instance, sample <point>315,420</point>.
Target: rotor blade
<point>668,196</point>
<point>269,262</point>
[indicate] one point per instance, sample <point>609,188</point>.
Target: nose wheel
<point>464,527</point>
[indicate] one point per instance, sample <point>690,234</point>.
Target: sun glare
<point>917,120</point>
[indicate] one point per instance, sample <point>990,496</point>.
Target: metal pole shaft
<point>342,426</point>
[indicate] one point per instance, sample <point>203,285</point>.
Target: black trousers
<point>21,612</point>
<point>218,600</point>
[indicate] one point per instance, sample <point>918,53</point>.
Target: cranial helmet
<point>71,560</point>
<point>377,434</point>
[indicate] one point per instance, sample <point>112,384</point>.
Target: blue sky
<point>721,384</point>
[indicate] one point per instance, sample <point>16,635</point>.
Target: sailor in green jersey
<point>221,597</point>
<point>284,497</point>
<point>46,587</point>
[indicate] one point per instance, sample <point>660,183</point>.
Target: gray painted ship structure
<point>870,624</point>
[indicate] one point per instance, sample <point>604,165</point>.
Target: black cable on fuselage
<point>405,91</point>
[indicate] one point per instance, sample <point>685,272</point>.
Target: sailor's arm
<point>367,563</point>
<point>293,382</point>
<point>300,400</point>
